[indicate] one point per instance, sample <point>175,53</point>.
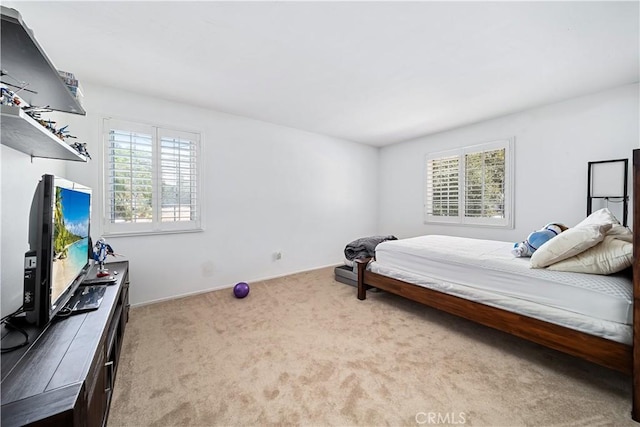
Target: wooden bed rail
<point>604,352</point>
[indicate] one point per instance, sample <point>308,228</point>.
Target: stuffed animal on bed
<point>537,239</point>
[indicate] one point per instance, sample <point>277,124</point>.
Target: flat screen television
<point>60,247</point>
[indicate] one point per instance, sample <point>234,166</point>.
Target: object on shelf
<point>49,125</point>
<point>24,59</point>
<point>72,84</point>
<point>63,133</point>
<point>22,132</point>
<point>81,148</point>
<point>31,85</point>
<point>10,97</point>
<point>34,112</point>
<point>17,84</point>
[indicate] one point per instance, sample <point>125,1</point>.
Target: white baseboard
<point>217,288</point>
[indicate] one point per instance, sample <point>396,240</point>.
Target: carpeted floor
<point>302,350</point>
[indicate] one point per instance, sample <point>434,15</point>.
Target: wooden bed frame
<point>620,357</point>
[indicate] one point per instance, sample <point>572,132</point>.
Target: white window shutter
<point>129,177</point>
<point>443,188</point>
<point>485,184</point>
<point>179,180</point>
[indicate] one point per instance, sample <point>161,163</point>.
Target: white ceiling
<point>372,72</point>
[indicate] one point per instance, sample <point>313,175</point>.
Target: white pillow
<point>610,256</point>
<point>621,232</point>
<point>602,216</point>
<point>569,243</point>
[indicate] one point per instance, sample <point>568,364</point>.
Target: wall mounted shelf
<point>23,59</point>
<point>23,133</point>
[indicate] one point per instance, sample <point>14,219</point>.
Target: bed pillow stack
<point>597,245</point>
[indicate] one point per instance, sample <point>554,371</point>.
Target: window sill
<point>150,233</point>
<point>463,224</point>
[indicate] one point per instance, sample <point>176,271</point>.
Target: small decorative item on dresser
<point>100,251</point>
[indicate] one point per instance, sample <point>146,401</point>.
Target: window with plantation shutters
<point>471,185</point>
<point>151,179</point>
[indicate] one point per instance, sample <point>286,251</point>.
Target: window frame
<point>461,219</point>
<point>155,226</point>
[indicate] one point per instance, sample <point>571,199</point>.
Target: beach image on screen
<point>70,238</point>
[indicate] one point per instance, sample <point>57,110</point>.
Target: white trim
<point>115,234</point>
<point>221,287</point>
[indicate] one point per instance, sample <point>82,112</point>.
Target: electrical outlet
<point>207,269</point>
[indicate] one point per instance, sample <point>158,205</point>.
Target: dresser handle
<point>110,366</point>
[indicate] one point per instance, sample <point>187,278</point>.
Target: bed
<point>601,324</point>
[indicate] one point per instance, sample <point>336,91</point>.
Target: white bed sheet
<point>487,272</point>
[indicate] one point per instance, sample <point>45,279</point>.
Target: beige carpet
<point>302,350</point>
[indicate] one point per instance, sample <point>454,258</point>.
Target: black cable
<point>64,312</point>
<point>12,315</point>
<point>7,322</point>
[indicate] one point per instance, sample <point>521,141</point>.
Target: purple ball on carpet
<point>241,290</point>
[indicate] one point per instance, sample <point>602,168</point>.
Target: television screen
<point>71,214</point>
<point>58,259</point>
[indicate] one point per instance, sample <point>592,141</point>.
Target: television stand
<point>66,375</point>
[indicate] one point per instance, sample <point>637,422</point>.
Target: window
<point>151,179</point>
<point>471,185</point>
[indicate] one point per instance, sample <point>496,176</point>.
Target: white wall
<point>552,147</point>
<point>267,188</point>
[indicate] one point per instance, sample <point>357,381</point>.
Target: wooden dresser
<point>65,377</point>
